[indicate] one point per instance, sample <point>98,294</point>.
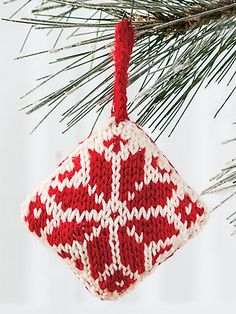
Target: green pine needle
<point>179,46</point>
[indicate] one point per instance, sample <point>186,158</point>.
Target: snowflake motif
<point>114,209</point>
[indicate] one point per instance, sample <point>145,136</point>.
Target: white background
<point>200,278</point>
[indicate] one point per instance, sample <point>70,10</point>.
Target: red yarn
<point>124,42</point>
<point>153,217</point>
<point>115,207</point>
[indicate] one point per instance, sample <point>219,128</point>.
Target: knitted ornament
<point>115,207</point>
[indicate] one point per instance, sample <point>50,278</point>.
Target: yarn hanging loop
<point>124,42</point>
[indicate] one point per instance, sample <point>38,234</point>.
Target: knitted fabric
<point>115,207</point>
<point>124,42</point>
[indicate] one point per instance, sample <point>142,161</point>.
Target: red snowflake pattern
<point>114,209</point>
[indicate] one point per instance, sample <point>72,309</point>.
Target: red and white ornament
<point>115,207</point>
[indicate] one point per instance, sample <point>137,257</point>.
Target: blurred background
<point>200,278</point>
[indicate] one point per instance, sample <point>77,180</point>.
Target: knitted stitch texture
<point>115,207</point>
<point>124,42</point>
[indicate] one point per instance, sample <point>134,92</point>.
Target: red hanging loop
<point>124,42</point>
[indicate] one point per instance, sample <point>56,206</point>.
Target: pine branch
<point>180,45</point>
<point>225,181</point>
